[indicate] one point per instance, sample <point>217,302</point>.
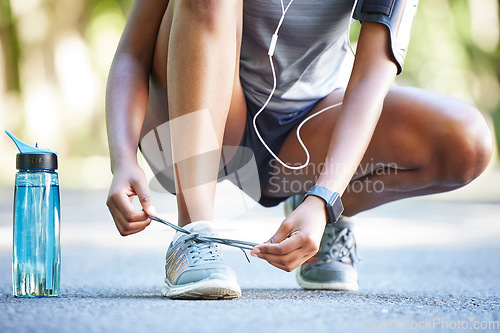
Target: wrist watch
<point>333,203</point>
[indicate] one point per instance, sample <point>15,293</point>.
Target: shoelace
<point>201,250</point>
<point>242,245</point>
<point>342,246</point>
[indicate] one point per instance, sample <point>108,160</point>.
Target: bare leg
<point>424,143</point>
<point>206,105</point>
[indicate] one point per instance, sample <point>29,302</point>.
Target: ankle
<point>191,223</point>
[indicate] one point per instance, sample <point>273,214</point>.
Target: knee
<point>467,147</point>
<point>212,13</point>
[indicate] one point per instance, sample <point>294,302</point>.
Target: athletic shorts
<point>274,128</point>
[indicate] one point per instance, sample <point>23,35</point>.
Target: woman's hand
<point>298,237</point>
<point>129,181</point>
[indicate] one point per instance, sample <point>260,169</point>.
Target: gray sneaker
<point>292,202</point>
<point>332,267</point>
<point>196,270</point>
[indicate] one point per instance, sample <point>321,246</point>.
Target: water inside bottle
<point>36,263</point>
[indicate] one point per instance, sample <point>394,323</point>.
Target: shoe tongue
<point>342,223</point>
<point>204,228</point>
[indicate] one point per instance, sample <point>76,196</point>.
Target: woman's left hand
<point>298,237</point>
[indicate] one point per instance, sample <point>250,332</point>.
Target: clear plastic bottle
<point>36,249</point>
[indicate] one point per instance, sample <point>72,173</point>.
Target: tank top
<point>311,58</point>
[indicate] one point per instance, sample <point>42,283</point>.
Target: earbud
<point>272,46</point>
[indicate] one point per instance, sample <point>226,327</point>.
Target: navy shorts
<point>274,127</point>
<point>251,167</point>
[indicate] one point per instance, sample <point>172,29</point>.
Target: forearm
<point>372,75</point>
<point>299,236</point>
<point>352,134</point>
<point>126,102</point>
<point>128,82</point>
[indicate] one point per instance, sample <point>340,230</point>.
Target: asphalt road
<point>429,264</point>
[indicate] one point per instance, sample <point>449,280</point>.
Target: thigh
<point>157,105</point>
<point>414,130</point>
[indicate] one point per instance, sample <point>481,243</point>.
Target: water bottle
<point>36,249</point>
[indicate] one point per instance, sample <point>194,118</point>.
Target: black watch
<point>333,203</point>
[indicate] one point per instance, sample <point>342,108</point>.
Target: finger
<point>124,223</point>
<point>293,242</point>
<point>145,198</point>
<point>127,228</point>
<point>288,262</point>
<point>121,220</point>
<point>133,228</point>
<point>121,201</point>
<point>282,233</point>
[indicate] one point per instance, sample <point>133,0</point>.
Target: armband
<point>397,16</point>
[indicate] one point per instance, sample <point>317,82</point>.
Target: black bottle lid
<point>36,161</point>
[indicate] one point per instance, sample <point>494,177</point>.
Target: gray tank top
<point>311,58</point>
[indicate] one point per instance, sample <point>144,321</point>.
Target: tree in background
<point>55,56</point>
<point>10,45</point>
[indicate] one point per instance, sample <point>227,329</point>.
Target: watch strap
<point>333,202</point>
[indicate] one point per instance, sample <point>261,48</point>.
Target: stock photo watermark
<point>430,324</point>
<point>369,177</point>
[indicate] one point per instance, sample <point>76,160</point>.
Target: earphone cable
<point>271,94</point>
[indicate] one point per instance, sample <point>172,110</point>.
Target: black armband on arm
<point>397,16</point>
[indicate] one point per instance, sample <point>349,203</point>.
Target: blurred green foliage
<point>453,51</point>
<point>10,42</point>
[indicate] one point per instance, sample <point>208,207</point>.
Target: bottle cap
<point>30,157</point>
<point>36,161</point>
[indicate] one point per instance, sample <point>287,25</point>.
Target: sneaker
<point>292,202</point>
<point>196,270</point>
<point>332,267</point>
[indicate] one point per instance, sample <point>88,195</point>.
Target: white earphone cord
<point>272,47</point>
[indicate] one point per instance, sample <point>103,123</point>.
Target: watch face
<point>335,207</point>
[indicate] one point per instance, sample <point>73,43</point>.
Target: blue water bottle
<point>36,252</point>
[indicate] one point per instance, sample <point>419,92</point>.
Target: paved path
<point>430,264</point>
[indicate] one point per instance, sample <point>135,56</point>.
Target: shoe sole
<point>208,289</point>
<point>339,286</point>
